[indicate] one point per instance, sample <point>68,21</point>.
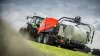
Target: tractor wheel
<point>28,36</point>
<point>39,38</point>
<point>47,39</point>
<point>87,49</point>
<point>23,31</point>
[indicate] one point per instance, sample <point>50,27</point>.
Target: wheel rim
<point>45,39</point>
<point>40,38</point>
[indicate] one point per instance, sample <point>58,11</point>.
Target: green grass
<point>57,51</point>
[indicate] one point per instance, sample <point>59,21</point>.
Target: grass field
<point>57,51</point>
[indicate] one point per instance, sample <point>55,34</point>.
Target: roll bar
<point>66,18</point>
<point>73,20</point>
<point>29,17</point>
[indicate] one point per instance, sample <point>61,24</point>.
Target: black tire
<point>96,52</point>
<point>28,36</point>
<point>23,30</point>
<point>39,38</point>
<point>87,49</point>
<point>47,39</point>
<point>25,33</point>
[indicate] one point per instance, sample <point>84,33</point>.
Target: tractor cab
<point>32,26</point>
<point>35,21</point>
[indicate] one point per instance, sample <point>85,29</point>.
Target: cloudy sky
<point>15,12</point>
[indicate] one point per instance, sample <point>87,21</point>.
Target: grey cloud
<point>86,6</point>
<point>98,26</point>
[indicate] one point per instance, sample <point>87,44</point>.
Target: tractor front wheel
<point>22,30</point>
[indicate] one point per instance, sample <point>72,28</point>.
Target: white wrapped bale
<point>72,33</point>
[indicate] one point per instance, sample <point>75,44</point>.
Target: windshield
<point>38,20</point>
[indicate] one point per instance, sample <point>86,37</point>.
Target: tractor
<point>54,32</point>
<point>31,30</point>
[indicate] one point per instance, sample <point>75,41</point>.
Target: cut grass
<point>57,51</point>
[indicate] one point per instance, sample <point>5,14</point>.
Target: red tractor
<point>53,32</point>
